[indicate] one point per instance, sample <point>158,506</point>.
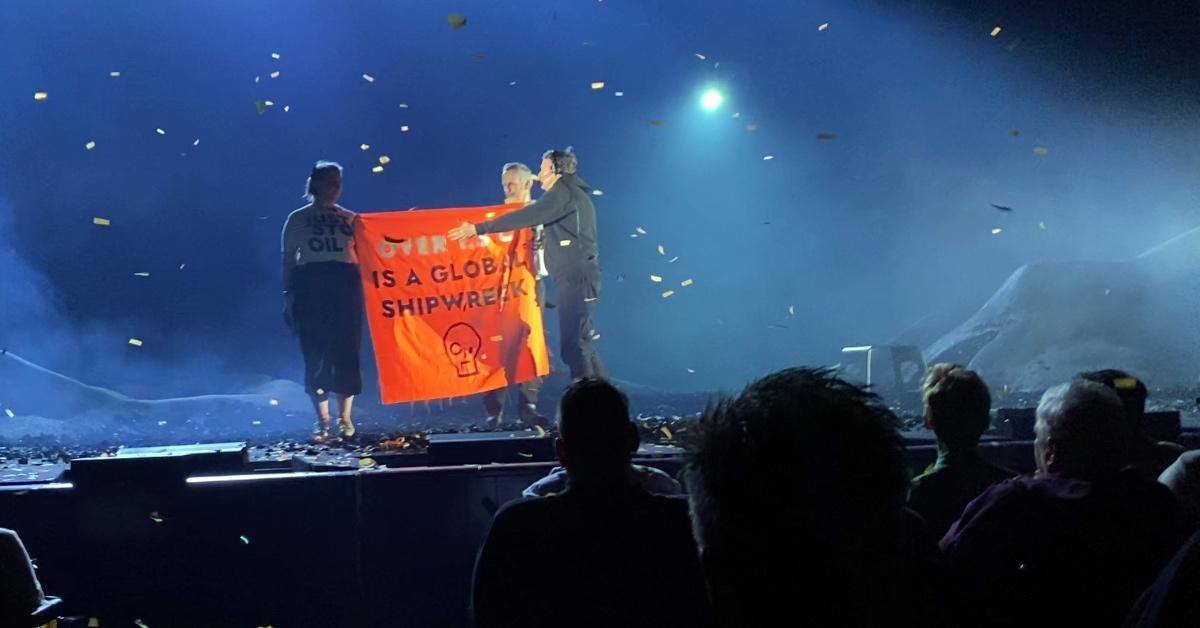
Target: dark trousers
<point>328,314</point>
<point>577,292</point>
<point>493,400</point>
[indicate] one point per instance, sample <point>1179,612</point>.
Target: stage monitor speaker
<point>159,466</point>
<point>490,447</point>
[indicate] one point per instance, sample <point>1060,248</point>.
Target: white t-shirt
<point>320,235</point>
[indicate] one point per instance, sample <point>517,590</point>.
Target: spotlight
<point>711,100</point>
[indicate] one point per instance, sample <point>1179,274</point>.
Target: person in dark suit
<point>604,552</point>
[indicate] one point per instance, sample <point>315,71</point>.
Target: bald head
<point>1080,430</point>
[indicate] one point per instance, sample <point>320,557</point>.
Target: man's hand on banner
<point>462,232</point>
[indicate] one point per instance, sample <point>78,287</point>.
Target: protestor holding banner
<point>517,181</point>
<point>572,256</point>
<point>323,299</point>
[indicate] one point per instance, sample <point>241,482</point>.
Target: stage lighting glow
<point>711,100</point>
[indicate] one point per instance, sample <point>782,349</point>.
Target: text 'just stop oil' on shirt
<point>320,235</point>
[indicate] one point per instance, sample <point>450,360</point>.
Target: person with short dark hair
<point>568,218</point>
<point>1149,458</point>
<point>797,488</point>
<point>323,299</point>
<point>604,552</point>
<point>1075,544</point>
<point>957,407</point>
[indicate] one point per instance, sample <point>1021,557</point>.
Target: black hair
<point>594,424</point>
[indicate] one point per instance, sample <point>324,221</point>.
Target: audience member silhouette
<point>20,591</point>
<point>1172,601</point>
<point>1182,478</point>
<point>1075,544</point>
<point>604,552</point>
<point>797,488</point>
<point>957,406</point>
<point>1149,458</point>
<point>655,481</point>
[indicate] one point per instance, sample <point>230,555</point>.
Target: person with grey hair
<point>517,180</point>
<point>572,254</point>
<point>1073,544</point>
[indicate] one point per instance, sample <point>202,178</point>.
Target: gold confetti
<point>686,282</point>
<point>1042,226</point>
<point>90,145</point>
<point>597,192</point>
<point>141,274</point>
<point>995,31</point>
<point>275,74</point>
<point>768,157</point>
<point>368,78</point>
<point>93,622</point>
<point>540,430</point>
<point>274,55</point>
<point>667,432</point>
<point>135,342</point>
<point>751,127</point>
<point>273,402</point>
<point>655,278</point>
<point>490,215</point>
<point>456,20</point>
<point>377,169</point>
<point>103,222</point>
<point>996,231</point>
<point>497,338</point>
<point>260,106</point>
<point>366,462</point>
<point>1040,150</point>
<point>700,56</point>
<point>114,74</point>
<point>40,95</point>
<point>384,159</point>
<point>597,85</point>
<point>160,131</point>
<point>197,142</point>
<point>668,293</point>
<point>10,413</point>
<point>661,250</point>
<point>641,231</point>
<point>155,517</point>
<point>364,146</point>
<point>1125,383</point>
<point>564,243</point>
<point>404,128</point>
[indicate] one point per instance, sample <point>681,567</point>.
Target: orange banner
<point>449,319</point>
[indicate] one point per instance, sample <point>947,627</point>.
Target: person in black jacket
<point>568,218</point>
